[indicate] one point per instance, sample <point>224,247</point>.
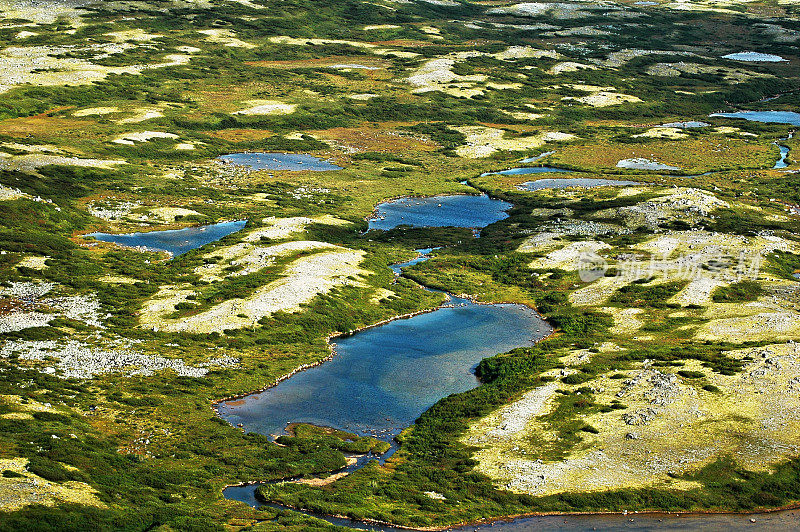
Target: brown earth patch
<point>240,135</point>
<point>321,62</point>
<point>373,139</point>
<point>404,42</point>
<point>42,125</point>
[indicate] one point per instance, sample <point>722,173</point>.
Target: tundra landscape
<point>403,264</point>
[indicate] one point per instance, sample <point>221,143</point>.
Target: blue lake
<point>769,117</point>
<point>542,184</point>
<point>439,211</point>
<point>176,241</point>
<point>384,377</point>
<point>280,161</point>
<point>528,170</point>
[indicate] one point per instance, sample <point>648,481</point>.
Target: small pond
<point>754,56</point>
<point>640,163</point>
<point>686,125</point>
<point>439,211</point>
<point>542,184</point>
<point>280,161</point>
<point>175,241</point>
<point>769,117</point>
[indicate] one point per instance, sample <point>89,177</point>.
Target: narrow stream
<point>781,163</point>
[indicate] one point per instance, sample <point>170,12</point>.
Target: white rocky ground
<point>77,359</point>
<point>687,204</point>
<point>604,99</point>
<point>225,37</point>
<point>437,74</point>
<point>31,162</point>
<point>142,136</point>
<point>266,107</point>
<point>670,426</point>
<point>51,65</point>
<point>304,278</point>
<point>26,306</point>
<point>483,141</point>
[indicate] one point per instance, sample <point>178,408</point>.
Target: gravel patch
<point>80,360</point>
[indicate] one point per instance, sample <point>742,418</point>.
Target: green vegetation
<point>739,292</point>
<point>305,434</point>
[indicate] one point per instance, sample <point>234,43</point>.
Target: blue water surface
<point>280,161</point>
<point>769,117</point>
<point>383,378</point>
<point>582,182</point>
<point>440,211</point>
<point>175,241</point>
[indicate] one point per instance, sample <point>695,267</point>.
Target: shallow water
<point>644,164</point>
<point>529,160</point>
<point>176,241</point>
<point>769,117</point>
<point>582,182</point>
<point>440,211</point>
<point>528,170</point>
<point>754,56</point>
<point>686,125</point>
<point>280,161</point>
<point>384,377</point>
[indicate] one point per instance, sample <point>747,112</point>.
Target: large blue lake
<point>383,378</point>
<point>175,241</point>
<point>439,211</point>
<point>279,161</point>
